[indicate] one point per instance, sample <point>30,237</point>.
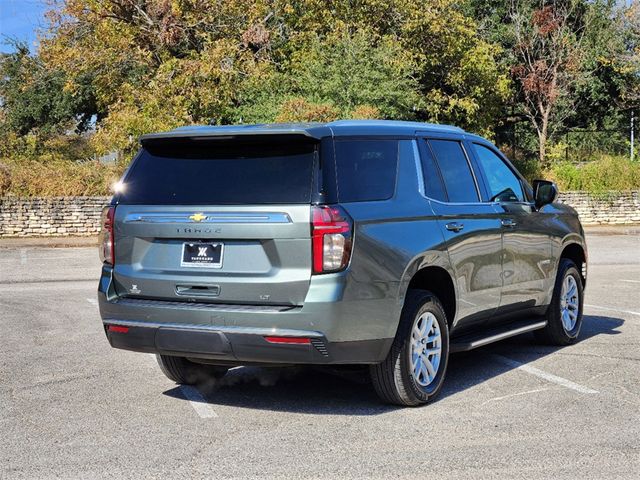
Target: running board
<point>471,341</point>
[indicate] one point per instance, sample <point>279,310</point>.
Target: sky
<point>20,19</point>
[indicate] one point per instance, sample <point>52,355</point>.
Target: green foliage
<point>607,173</point>
<point>59,178</point>
<point>600,83</point>
<point>33,96</point>
<point>164,64</point>
<point>529,168</point>
<point>108,71</point>
<point>345,74</point>
<point>61,165</point>
<point>460,79</point>
<point>352,70</point>
<point>607,88</point>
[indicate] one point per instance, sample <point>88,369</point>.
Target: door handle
<point>509,223</point>
<point>454,226</point>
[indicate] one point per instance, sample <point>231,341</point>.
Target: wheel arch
<point>439,282</point>
<point>432,272</point>
<point>578,255</point>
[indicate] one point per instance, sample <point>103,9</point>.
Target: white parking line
<point>198,402</point>
<point>511,395</point>
<point>612,309</point>
<point>630,281</point>
<point>195,398</point>
<point>92,301</point>
<point>544,375</point>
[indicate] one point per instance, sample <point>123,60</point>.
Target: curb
<point>48,242</point>
<point>629,229</point>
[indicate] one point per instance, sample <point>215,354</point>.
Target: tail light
<point>106,235</point>
<point>331,238</point>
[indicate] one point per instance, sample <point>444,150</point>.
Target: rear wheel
<point>414,370</point>
<point>564,317</point>
<point>183,371</point>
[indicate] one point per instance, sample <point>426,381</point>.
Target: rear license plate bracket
<point>202,254</point>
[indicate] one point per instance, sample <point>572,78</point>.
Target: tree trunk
<point>542,139</point>
<point>542,147</point>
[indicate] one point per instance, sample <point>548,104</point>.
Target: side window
<point>503,184</point>
<point>455,169</point>
<point>366,169</point>
<point>432,182</point>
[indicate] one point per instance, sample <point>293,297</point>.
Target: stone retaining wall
<point>80,216</point>
<point>49,217</point>
<point>613,208</point>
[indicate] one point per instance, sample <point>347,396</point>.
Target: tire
<point>557,331</point>
<point>185,372</point>
<point>394,380</point>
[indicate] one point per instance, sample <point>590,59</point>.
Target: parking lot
<point>72,407</point>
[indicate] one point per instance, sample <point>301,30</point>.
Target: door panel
<point>475,253</point>
<point>526,256</point>
<point>471,230</point>
<point>526,264</point>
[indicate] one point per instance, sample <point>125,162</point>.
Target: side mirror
<point>544,192</point>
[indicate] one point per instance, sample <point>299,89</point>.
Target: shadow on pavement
<point>472,368</point>
<point>347,391</point>
<point>293,389</point>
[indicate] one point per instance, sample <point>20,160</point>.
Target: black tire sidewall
<point>183,371</point>
<point>429,304</point>
<point>567,267</point>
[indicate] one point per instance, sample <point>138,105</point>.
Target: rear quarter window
<point>366,169</point>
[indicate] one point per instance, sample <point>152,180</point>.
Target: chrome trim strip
<point>212,307</point>
<point>284,332</point>
<point>471,169</point>
<point>211,217</point>
<point>419,172</point>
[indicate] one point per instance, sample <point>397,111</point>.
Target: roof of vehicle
<point>313,130</point>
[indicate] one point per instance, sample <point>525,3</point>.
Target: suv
<point>380,243</point>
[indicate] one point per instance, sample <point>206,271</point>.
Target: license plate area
<point>202,254</point>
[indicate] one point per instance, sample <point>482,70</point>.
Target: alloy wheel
<point>426,349</point>
<point>569,303</point>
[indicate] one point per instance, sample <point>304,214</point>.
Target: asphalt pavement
<point>72,407</point>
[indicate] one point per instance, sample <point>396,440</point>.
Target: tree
<point>339,75</point>
<point>34,98</point>
<point>628,22</point>
<point>548,61</point>
<point>157,64</point>
<point>604,83</point>
<point>461,81</point>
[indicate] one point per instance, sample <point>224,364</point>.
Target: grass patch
<point>62,166</point>
<point>30,178</point>
<point>604,174</point>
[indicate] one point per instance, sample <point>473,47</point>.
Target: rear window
<point>218,172</point>
<point>366,169</point>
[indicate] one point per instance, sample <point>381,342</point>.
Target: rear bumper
<point>238,346</point>
<point>235,334</point>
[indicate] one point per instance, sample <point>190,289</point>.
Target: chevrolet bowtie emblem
<point>198,217</point>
